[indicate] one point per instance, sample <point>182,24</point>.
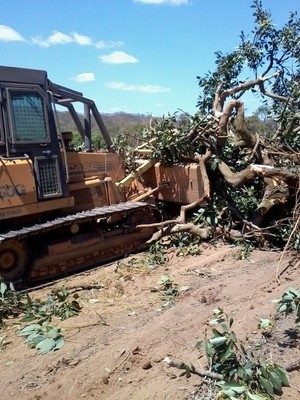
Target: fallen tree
<point>250,167</point>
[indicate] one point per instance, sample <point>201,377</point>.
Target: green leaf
<point>187,372</point>
<point>265,383</point>
<point>46,345</point>
<point>50,298</point>
<point>64,291</point>
<point>282,373</point>
<point>233,337</point>
<point>11,286</point>
<point>200,344</point>
<point>227,354</point>
<point>263,369</point>
<point>288,297</point>
<point>252,396</point>
<point>217,333</point>
<point>295,292</point>
<point>53,333</point>
<point>282,308</point>
<point>3,288</point>
<point>218,341</point>
<point>224,327</point>
<point>248,368</point>
<point>233,388</point>
<point>276,381</point>
<point>209,348</point>
<point>29,329</point>
<point>216,321</point>
<point>264,323</point>
<point>28,318</point>
<point>34,339</point>
<point>59,343</point>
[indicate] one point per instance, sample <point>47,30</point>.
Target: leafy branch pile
<point>290,304</point>
<point>250,166</point>
<point>39,333</point>
<point>238,372</point>
<point>244,375</point>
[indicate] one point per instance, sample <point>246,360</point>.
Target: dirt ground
<point>115,348</point>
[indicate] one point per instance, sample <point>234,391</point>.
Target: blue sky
<point>137,56</point>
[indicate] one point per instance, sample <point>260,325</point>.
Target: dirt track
<point>115,347</point>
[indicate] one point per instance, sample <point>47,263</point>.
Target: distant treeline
<point>130,126</point>
<point>116,124</point>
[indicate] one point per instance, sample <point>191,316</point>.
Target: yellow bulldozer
<point>60,209</point>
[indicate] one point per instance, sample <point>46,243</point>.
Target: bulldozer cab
<point>28,129</point>
<point>39,170</point>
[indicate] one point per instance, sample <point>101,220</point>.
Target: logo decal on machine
<point>89,167</point>
<point>9,191</point>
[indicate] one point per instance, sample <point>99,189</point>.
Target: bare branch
<point>235,179</point>
<point>268,171</point>
<point>218,103</point>
<point>193,370</point>
<point>272,95</point>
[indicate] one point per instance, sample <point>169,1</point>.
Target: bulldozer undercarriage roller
<point>13,260</point>
<point>50,249</point>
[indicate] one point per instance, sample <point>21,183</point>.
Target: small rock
<point>130,314</point>
<point>203,299</point>
<point>171,376</point>
<point>136,350</point>
<point>147,365</point>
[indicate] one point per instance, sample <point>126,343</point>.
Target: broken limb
<point>193,370</point>
<point>235,179</point>
<point>275,173</point>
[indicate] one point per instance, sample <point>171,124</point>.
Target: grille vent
<point>48,177</point>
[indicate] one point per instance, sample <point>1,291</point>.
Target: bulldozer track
<point>54,250</point>
<point>80,217</point>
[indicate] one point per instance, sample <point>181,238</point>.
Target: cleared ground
<point>114,349</point>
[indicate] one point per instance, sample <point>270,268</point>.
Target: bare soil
<point>115,348</point>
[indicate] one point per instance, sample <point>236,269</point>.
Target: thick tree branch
<point>218,105</point>
<point>242,130</point>
<point>235,179</point>
<point>179,225</point>
<point>220,97</point>
<point>272,95</point>
<point>268,171</point>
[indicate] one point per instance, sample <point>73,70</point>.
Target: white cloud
<point>108,44</point>
<point>54,39</point>
<point>136,88</point>
<point>84,77</point>
<point>8,34</point>
<point>118,57</point>
<point>170,2</point>
<point>117,109</point>
<point>82,40</point>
